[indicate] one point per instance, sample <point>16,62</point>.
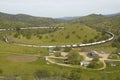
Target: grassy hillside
<point>26,70</point>
<point>71,34</point>
<point>23,20</point>
<point>100,22</point>
<point>7,48</point>
<point>77,31</point>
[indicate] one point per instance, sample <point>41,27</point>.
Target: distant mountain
<point>101,22</point>
<point>111,15</point>
<point>68,18</point>
<point>90,19</point>
<point>25,19</point>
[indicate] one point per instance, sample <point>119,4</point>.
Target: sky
<point>59,8</point>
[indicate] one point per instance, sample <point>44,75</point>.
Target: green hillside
<point>23,20</point>
<point>103,23</point>
<point>72,33</point>
<point>29,63</point>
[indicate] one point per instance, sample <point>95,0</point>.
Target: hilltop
<point>23,20</point>
<point>103,23</point>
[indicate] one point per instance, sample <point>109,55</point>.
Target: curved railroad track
<point>62,46</point>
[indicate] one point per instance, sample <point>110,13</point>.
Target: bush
<point>41,74</point>
<point>78,36</point>
<point>28,36</point>
<point>57,49</point>
<point>1,71</point>
<point>67,36</point>
<point>67,49</point>
<point>73,32</point>
<point>57,54</point>
<point>39,36</point>
<point>96,59</point>
<point>74,75</point>
<point>16,35</point>
<point>92,65</point>
<point>53,40</point>
<point>74,57</point>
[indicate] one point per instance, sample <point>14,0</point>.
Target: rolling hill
<point>103,23</point>
<point>23,20</point>
<point>71,34</point>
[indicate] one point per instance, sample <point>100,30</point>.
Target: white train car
<point>74,45</point>
<point>94,43</point>
<point>88,44</point>
<point>63,46</point>
<point>82,45</point>
<point>98,42</point>
<point>103,41</point>
<point>68,46</point>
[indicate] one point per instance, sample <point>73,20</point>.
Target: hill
<point>67,18</point>
<point>101,22</point>
<point>23,20</point>
<point>111,15</point>
<point>71,34</point>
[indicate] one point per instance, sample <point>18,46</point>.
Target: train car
<point>88,44</point>
<point>103,41</point>
<point>98,42</point>
<point>94,43</point>
<point>52,46</point>
<point>63,46</point>
<point>74,45</point>
<point>68,46</point>
<point>82,45</point>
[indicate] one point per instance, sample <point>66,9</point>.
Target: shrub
<point>74,57</point>
<point>67,36</point>
<point>67,49</point>
<point>57,54</point>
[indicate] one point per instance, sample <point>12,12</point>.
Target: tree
<point>57,54</point>
<point>74,57</point>
<point>41,74</point>
<point>16,35</point>
<point>39,36</point>
<point>17,29</point>
<point>28,36</point>
<point>1,71</point>
<point>92,65</point>
<point>91,40</point>
<point>78,36</point>
<point>96,59</point>
<point>74,75</point>
<point>67,49</point>
<point>67,36</point>
<point>57,49</point>
<point>73,32</point>
<point>53,40</point>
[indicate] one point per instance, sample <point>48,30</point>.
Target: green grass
<point>7,48</point>
<point>26,69</point>
<point>113,68</point>
<point>114,56</point>
<point>58,60</point>
<point>73,33</point>
<point>106,48</point>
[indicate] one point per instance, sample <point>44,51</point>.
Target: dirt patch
<point>21,58</point>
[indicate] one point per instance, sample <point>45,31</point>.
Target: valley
<point>84,48</point>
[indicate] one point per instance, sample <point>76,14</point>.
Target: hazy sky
<point>60,8</point>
